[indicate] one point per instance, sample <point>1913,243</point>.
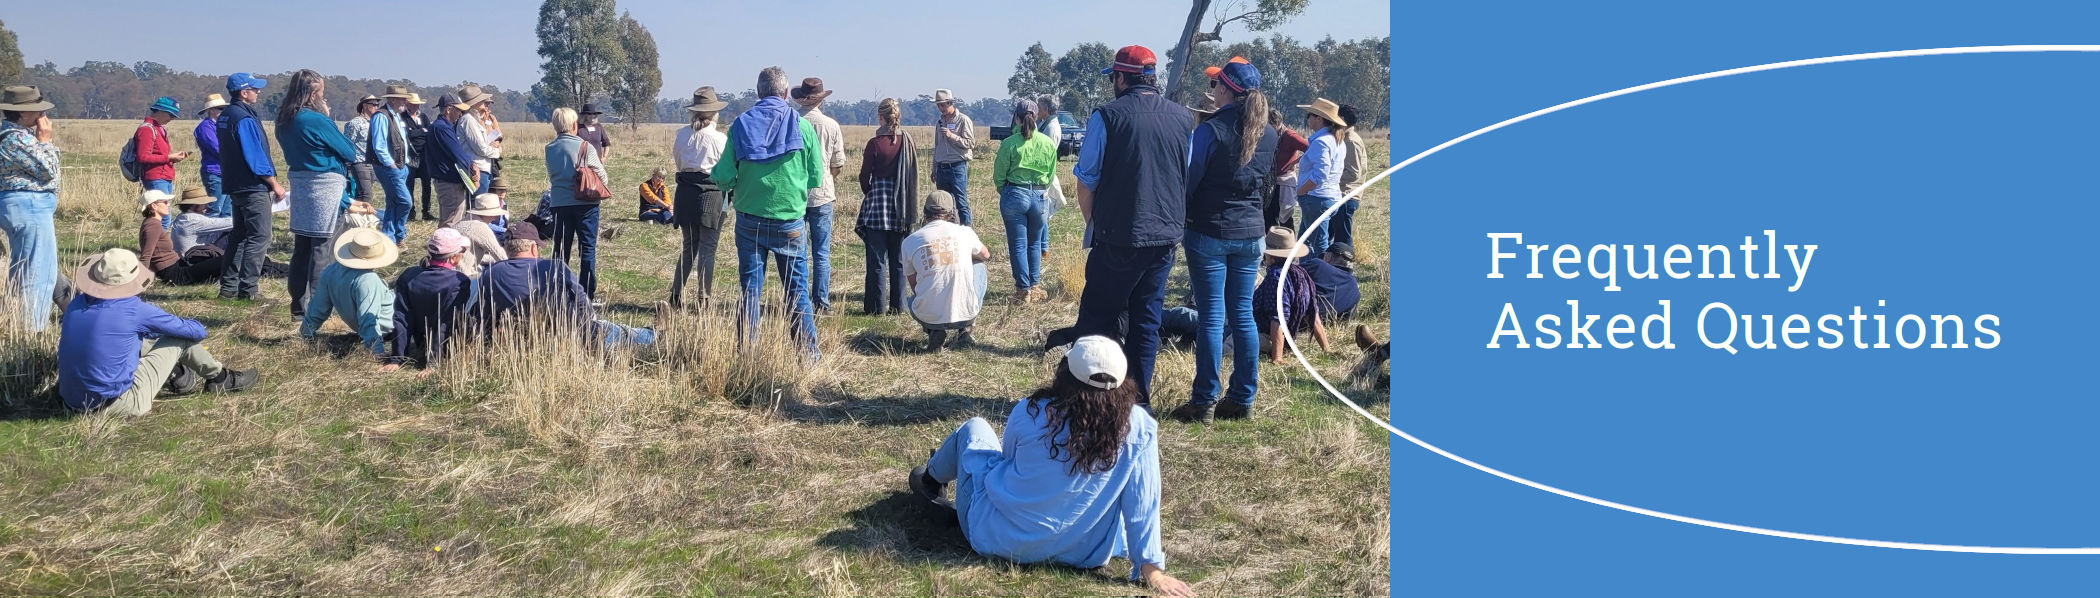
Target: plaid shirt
<point>882,210</point>
<point>25,163</point>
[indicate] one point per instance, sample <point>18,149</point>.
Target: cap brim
<point>87,285</point>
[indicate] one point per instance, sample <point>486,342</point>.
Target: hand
<point>178,157</point>
<point>390,368</point>
<point>1165,584</point>
<point>43,128</point>
<point>280,192</point>
<point>359,207</point>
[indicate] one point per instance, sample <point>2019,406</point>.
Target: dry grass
<point>536,466</point>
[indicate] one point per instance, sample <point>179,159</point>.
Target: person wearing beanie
<point>1076,480</point>
<point>350,289</point>
<point>431,302</point>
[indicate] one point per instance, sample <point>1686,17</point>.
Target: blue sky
<point>861,49</point>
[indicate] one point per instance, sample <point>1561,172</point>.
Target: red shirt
<point>153,151</point>
<point>1289,144</point>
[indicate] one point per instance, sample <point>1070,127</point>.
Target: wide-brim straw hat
<point>1281,242</point>
<point>196,196</point>
<point>23,98</point>
<point>212,101</point>
<point>488,204</point>
<point>415,98</point>
<point>365,249</point>
<point>113,274</point>
<point>1327,109</point>
<point>705,100</point>
<point>396,91</point>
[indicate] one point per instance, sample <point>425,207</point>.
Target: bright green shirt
<point>1025,161</point>
<point>778,189</point>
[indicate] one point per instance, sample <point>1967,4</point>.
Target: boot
<point>1364,340</point>
<point>963,339</point>
<point>184,381</point>
<point>936,340</point>
<point>233,381</point>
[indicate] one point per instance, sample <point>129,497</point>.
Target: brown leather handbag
<point>589,186</point>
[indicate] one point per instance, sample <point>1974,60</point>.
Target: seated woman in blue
<point>1076,480</point>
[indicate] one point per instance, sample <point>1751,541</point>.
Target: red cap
<point>1133,59</point>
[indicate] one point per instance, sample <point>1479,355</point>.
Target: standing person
<point>698,207</point>
<point>954,138</point>
<point>154,154</point>
<point>809,97</point>
<point>478,132</point>
<point>944,264</point>
<point>1283,200</point>
<point>351,289</point>
<point>575,220</point>
<point>1046,114</point>
<point>889,187</point>
<point>1344,229</point>
<point>1076,480</point>
<point>774,159</point>
<point>654,203</point>
<point>359,131</point>
<point>588,129</point>
<point>207,135</point>
<point>1133,191</point>
<point>29,178</point>
<point>1021,172</point>
<point>388,156</point>
<point>116,352</point>
<point>1320,172</point>
<point>251,179</point>
<point>1228,175</point>
<point>431,301</point>
<point>418,130</point>
<point>318,155</point>
<point>451,165</point>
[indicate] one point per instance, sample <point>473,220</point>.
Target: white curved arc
<point>1293,343</point>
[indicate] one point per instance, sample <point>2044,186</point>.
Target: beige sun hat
<point>196,196</point>
<point>1282,242</point>
<point>365,249</point>
<point>150,196</point>
<point>23,98</point>
<point>488,204</point>
<point>212,101</point>
<point>113,274</point>
<point>415,98</point>
<point>1327,109</point>
<point>471,94</point>
<point>395,91</point>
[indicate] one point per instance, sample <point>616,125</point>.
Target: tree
<point>1262,16</point>
<point>11,68</point>
<point>634,99</point>
<point>1083,85</point>
<point>1034,74</point>
<point>580,51</point>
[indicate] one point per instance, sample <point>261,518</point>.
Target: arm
<point>965,135</point>
<point>813,148</point>
<point>400,333</point>
<point>724,172</point>
<point>319,305</point>
<point>1201,144</point>
<point>336,142</point>
<point>1319,331</point>
<point>1003,161</point>
<point>1275,334</point>
<point>835,149</point>
<point>39,156</point>
<point>208,139</point>
<point>590,158</point>
<point>159,323</point>
<point>867,172</point>
<point>151,153</point>
<point>374,325</point>
<point>256,152</point>
<point>1088,170</point>
<point>1140,502</point>
<point>383,138</point>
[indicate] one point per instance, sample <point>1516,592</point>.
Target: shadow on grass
<point>895,411</point>
<point>903,524</point>
<point>875,343</point>
<point>34,408</point>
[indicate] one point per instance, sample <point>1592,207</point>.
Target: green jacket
<point>778,189</point>
<point>1027,161</point>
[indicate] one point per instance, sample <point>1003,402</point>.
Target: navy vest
<point>1144,163</point>
<point>1226,204</point>
<point>235,177</point>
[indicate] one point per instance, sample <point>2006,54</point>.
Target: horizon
<point>835,52</point>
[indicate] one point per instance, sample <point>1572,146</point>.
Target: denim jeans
<point>758,237</point>
<point>32,252</point>
<point>393,217</point>
<point>1310,207</point>
<point>954,177</point>
<point>1222,275</point>
<point>962,457</point>
<point>573,226</point>
<point>819,220</point>
<point>1027,227</point>
<point>250,239</point>
<point>615,336</point>
<point>1343,228</point>
<point>213,186</point>
<point>1134,280</point>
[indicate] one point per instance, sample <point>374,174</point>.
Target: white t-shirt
<point>948,288</point>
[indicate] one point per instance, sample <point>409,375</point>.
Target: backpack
<point>128,161</point>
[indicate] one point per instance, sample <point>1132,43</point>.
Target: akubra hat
<point>196,196</point>
<point>1327,109</point>
<point>1281,242</point>
<point>811,88</point>
<point>590,109</point>
<point>488,204</point>
<point>705,100</point>
<point>23,98</point>
<point>396,91</point>
<point>472,94</point>
<point>113,274</point>
<point>365,249</point>
<point>415,99</point>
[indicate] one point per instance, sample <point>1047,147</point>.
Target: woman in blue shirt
<point>1075,481</point>
<point>317,154</point>
<point>1320,172</point>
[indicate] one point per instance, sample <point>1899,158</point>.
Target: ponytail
<point>1253,105</point>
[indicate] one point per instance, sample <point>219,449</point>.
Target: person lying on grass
<point>431,301</point>
<point>350,288</point>
<point>116,352</point>
<point>1075,481</point>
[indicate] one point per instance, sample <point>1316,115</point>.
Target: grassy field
<point>532,467</point>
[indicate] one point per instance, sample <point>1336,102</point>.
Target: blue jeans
<point>819,220</point>
<point>1222,274</point>
<point>480,186</point>
<point>615,336</point>
<point>959,460</point>
<point>1309,208</point>
<point>954,177</point>
<point>212,185</point>
<point>32,252</point>
<point>393,216</point>
<point>756,238</point>
<point>1027,233</point>
<point>1133,280</point>
<point>573,226</point>
<point>1344,225</point>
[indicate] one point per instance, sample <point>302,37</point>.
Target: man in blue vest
<point>1132,187</point>
<point>248,176</point>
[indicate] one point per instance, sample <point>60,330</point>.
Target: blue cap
<point>240,81</point>
<point>1240,77</point>
<point>166,104</point>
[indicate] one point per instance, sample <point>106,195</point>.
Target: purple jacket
<point>208,144</point>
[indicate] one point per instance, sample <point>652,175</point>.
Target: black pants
<point>1134,280</point>
<point>696,254</point>
<point>415,178</point>
<point>884,288</point>
<point>200,264</point>
<point>251,238</point>
<point>309,256</point>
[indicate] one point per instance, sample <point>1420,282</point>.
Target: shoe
<point>1231,411</point>
<point>1020,297</point>
<point>184,381</point>
<point>1193,413</point>
<point>936,340</point>
<point>1364,340</point>
<point>233,381</point>
<point>1038,295</point>
<point>923,484</point>
<point>963,339</point>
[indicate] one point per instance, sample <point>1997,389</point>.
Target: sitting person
<point>1301,312</point>
<point>478,228</point>
<point>501,225</point>
<point>944,266</point>
<point>158,252</point>
<point>431,302</point>
<point>526,284</point>
<point>1076,480</point>
<point>116,352</point>
<point>195,226</point>
<point>350,288</point>
<point>1334,280</point>
<point>656,199</point>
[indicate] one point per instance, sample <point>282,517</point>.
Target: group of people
<point>1219,182</point>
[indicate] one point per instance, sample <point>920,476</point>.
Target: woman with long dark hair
<point>1230,158</point>
<point>318,156</point>
<point>889,187</point>
<point>1075,481</point>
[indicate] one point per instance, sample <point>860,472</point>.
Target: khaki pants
<point>452,203</point>
<point>157,361</point>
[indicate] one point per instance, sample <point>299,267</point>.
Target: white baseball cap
<point>1098,361</point>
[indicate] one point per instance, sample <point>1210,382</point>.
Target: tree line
<point>1355,72</point>
<point>107,89</point>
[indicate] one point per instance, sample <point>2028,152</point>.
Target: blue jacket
<point>99,342</point>
<point>519,286</point>
<point>1022,504</point>
<point>244,154</point>
<point>443,156</point>
<point>1336,287</point>
<point>430,303</point>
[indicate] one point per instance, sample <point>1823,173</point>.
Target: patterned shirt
<point>359,130</point>
<point>25,163</point>
<point>881,210</point>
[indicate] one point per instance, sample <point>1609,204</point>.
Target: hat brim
<point>88,286</point>
<point>1329,116</point>
<point>38,106</point>
<point>1298,250</point>
<point>485,96</point>
<point>208,107</point>
<point>197,201</point>
<point>395,95</point>
<point>716,106</point>
<point>816,96</point>
<point>390,254</point>
<point>494,212</point>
